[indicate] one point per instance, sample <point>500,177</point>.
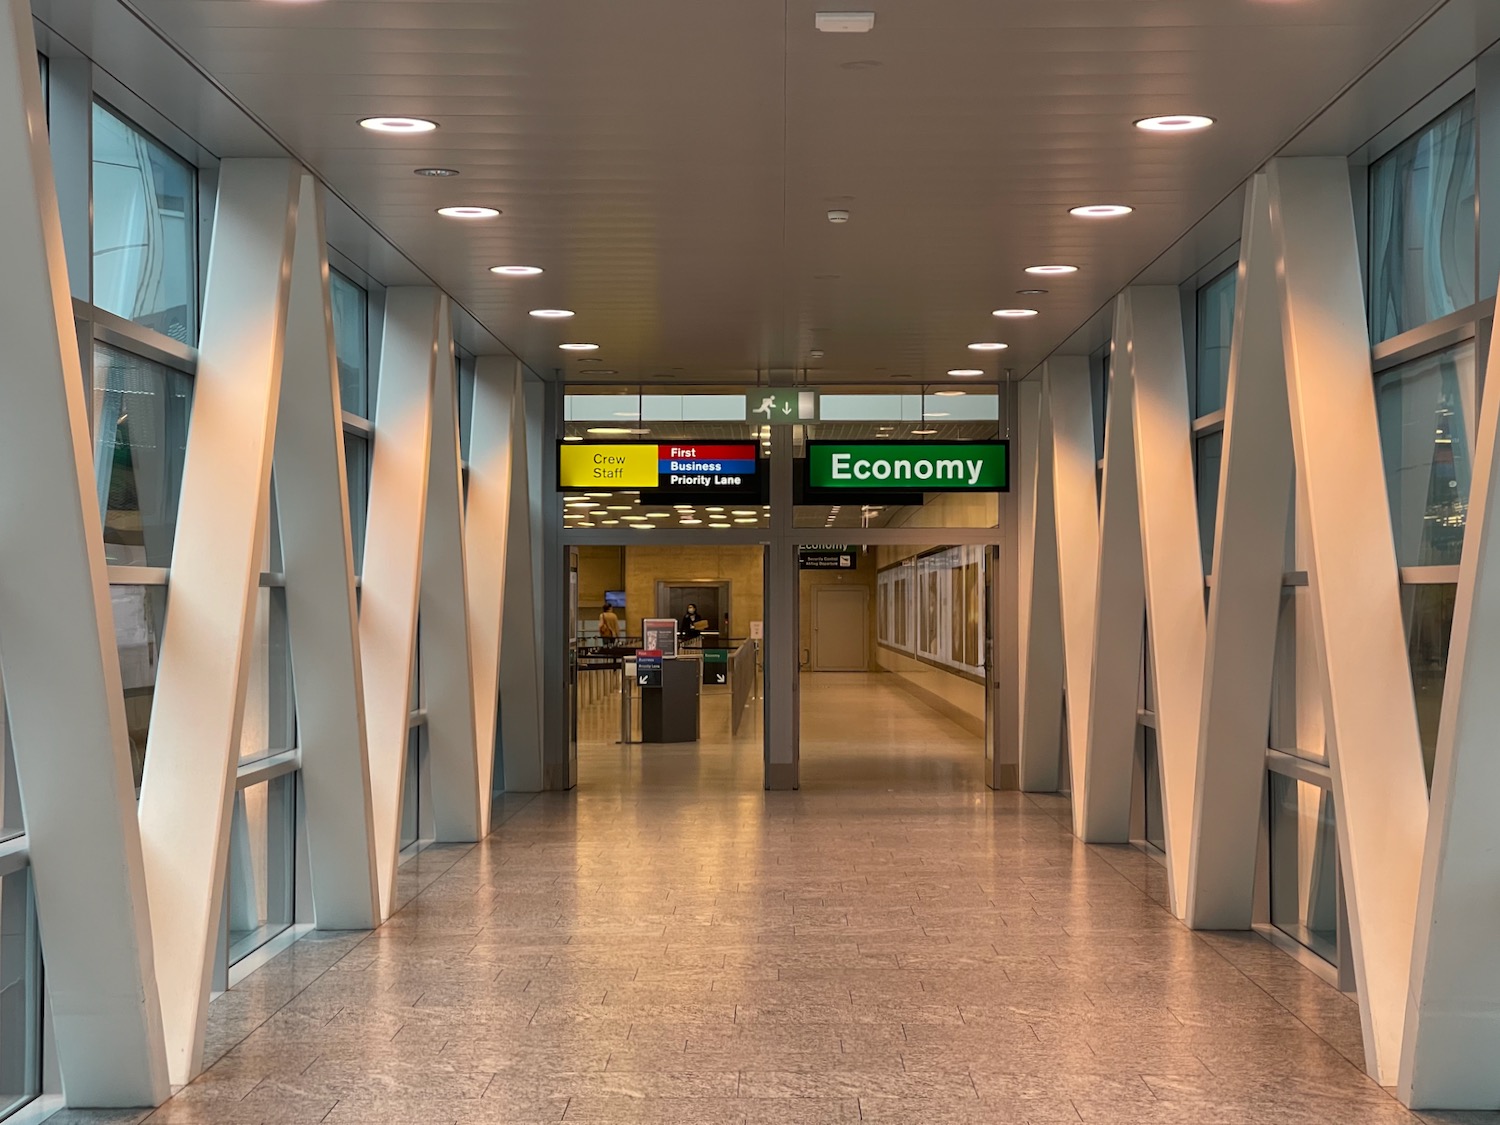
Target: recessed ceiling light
<point>744,512</point>
<point>1100,211</point>
<point>923,433</point>
<point>572,437</point>
<point>720,525</point>
<point>516,271</point>
<point>844,22</point>
<point>815,354</point>
<point>838,216</point>
<point>1175,123</point>
<point>965,372</point>
<point>584,523</point>
<point>1031,292</point>
<point>1051,271</point>
<point>659,515</point>
<point>988,346</point>
<point>435,173</point>
<point>599,512</point>
<point>640,527</point>
<point>579,347</point>
<point>609,523</point>
<point>616,430</point>
<point>949,394</point>
<point>713,509</point>
<point>552,314</point>
<point>1014,314</point>
<point>751,520</point>
<point>634,519</point>
<point>468,212</point>
<point>689,523</point>
<point>397,124</point>
<point>604,371</point>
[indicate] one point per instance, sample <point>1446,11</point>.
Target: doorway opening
<point>893,684</point>
<point>667,671</point>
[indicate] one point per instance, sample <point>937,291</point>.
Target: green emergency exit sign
<point>909,466</point>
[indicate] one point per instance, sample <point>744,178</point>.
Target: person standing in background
<point>609,625</point>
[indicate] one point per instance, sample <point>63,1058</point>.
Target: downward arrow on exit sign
<point>781,407</point>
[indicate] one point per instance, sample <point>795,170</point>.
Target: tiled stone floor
<point>699,952</point>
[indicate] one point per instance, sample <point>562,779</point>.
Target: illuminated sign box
<point>908,466</point>
<point>679,468</point>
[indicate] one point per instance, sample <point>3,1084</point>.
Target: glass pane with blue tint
<point>20,993</point>
<point>141,412</point>
<point>1424,443</point>
<point>145,219</point>
<point>140,614</point>
<point>351,342</point>
<point>357,472</point>
<point>1304,865</point>
<point>1428,611</point>
<point>1215,331</point>
<point>1156,828</point>
<point>1210,456</point>
<point>1422,226</point>
<point>260,890</point>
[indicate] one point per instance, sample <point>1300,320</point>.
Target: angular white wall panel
<point>312,503</point>
<point>389,589</point>
<point>57,646</point>
<point>1373,747</point>
<point>1042,698</point>
<point>1104,814</point>
<point>520,642</point>
<point>188,787</point>
<point>1249,554</point>
<point>447,674</point>
<point>1452,1031</point>
<point>1172,557</point>
<point>1065,383</point>
<point>487,527</point>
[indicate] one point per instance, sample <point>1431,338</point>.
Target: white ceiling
<point>670,162</point>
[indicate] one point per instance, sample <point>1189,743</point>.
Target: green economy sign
<point>915,466</point>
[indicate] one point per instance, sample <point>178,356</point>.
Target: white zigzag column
<point>1104,814</point>
<point>415,328</point>
<point>57,645</point>
<point>1452,1031</point>
<point>188,787</point>
<point>1249,555</point>
<point>1373,747</point>
<point>312,504</point>
<point>447,671</point>
<point>1171,555</point>
<point>486,544</point>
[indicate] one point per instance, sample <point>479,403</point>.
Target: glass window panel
<point>1304,865</point>
<point>262,864</point>
<point>1422,226</point>
<point>140,615</point>
<point>357,472</point>
<point>20,993</point>
<point>145,216</point>
<point>1428,611</point>
<point>141,412</point>
<point>1423,439</point>
<point>1210,457</point>
<point>351,342</point>
<point>1215,330</point>
<point>411,793</point>
<point>270,709</point>
<point>1296,700</point>
<point>1156,831</point>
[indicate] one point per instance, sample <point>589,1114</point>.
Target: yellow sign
<point>610,466</point>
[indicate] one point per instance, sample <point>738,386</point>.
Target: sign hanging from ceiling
<point>787,407</point>
<point>909,466</point>
<point>826,558</point>
<point>681,467</point>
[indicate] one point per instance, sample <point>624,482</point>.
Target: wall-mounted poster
<point>931,606</point>
<point>659,634</point>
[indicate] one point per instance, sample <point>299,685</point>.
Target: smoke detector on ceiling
<point>845,22</point>
<point>838,216</point>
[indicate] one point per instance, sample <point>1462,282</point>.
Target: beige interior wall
<point>599,569</point>
<point>809,580</point>
<point>741,566</point>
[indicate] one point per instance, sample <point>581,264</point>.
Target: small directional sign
<point>822,558</point>
<point>715,666</point>
<point>648,669</point>
<point>781,407</point>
